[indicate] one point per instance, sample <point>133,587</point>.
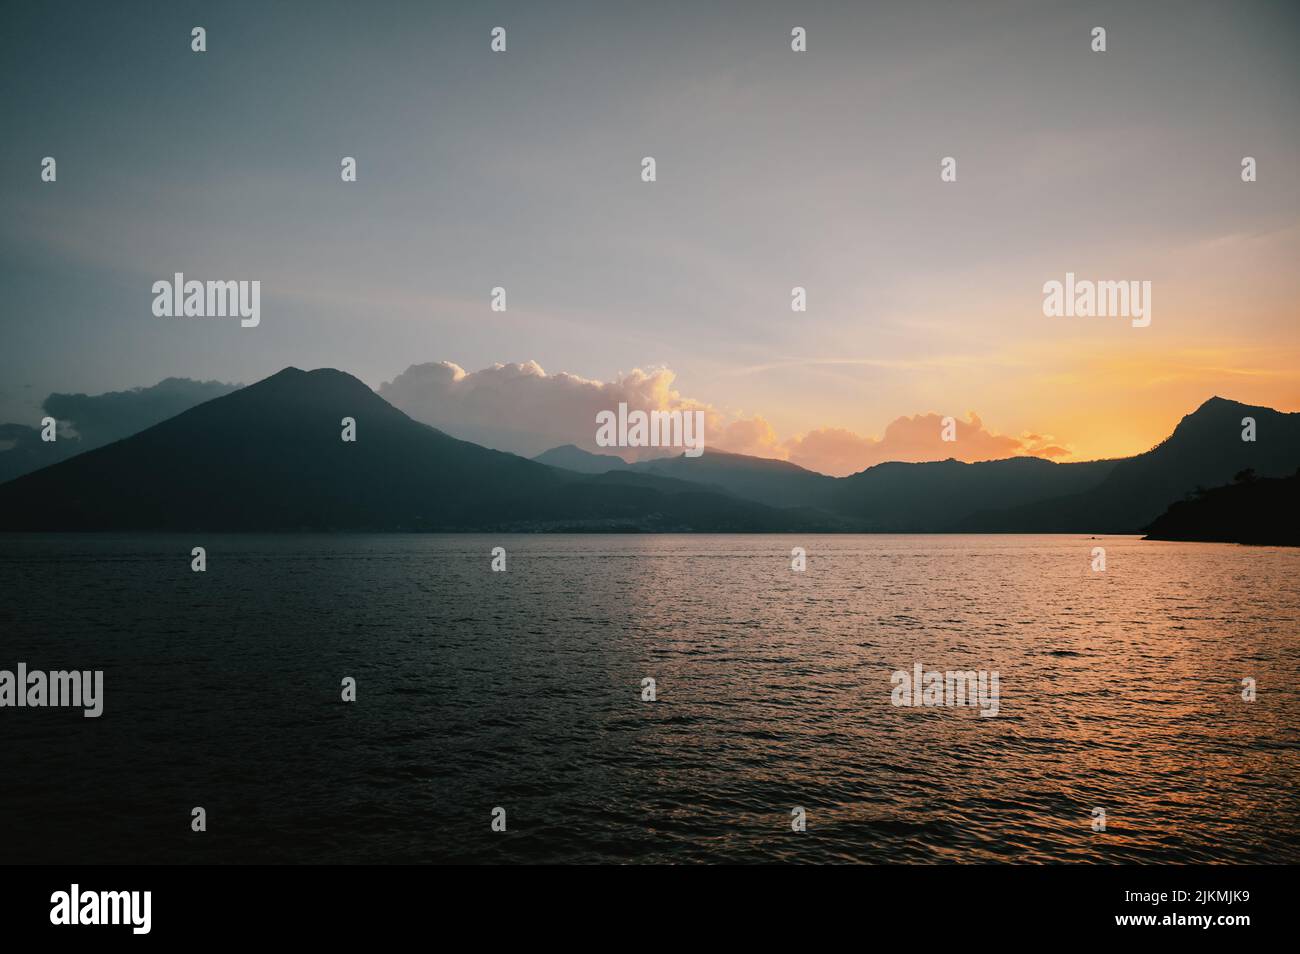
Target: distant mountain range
<point>574,458</point>
<point>270,457</point>
<point>1020,494</point>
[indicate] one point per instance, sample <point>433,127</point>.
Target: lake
<point>1120,690</point>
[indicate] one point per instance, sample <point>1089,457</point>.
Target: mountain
<point>574,458</point>
<point>270,457</point>
<point>1250,510</point>
<point>776,483</point>
<point>1205,450</point>
<point>940,496</point>
<point>1022,494</point>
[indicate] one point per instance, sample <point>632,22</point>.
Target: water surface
<point>522,690</point>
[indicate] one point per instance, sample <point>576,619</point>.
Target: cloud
<point>87,421</point>
<point>917,438</point>
<point>103,418</point>
<point>753,436</point>
<point>522,409</point>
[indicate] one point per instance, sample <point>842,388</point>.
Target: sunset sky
<point>775,169</point>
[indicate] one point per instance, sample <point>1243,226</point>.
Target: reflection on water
<point>522,689</point>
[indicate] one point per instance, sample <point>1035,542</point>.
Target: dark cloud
<point>87,421</point>
<point>100,419</point>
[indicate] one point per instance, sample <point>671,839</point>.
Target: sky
<point>774,169</point>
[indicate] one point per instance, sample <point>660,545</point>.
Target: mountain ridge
<point>270,456</point>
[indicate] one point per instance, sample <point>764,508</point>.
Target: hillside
<point>1250,510</point>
